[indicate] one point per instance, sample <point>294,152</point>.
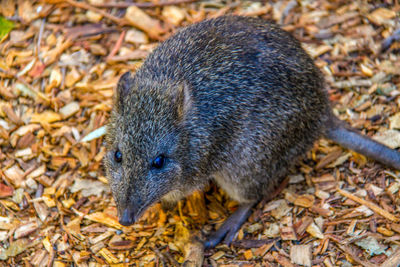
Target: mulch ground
<point>59,63</point>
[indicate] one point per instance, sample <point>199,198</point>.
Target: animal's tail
<point>348,137</point>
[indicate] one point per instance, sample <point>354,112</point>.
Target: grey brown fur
<point>233,99</point>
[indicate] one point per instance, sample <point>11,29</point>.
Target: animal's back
<point>258,100</point>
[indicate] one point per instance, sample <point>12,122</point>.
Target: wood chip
<point>381,16</point>
<point>282,260</point>
<point>315,231</point>
<point>288,233</point>
<point>105,219</point>
<point>108,256</point>
<point>217,255</point>
<point>173,14</point>
<point>47,116</point>
<point>301,254</point>
<point>25,230</point>
<point>138,18</point>
<point>194,254</point>
<point>69,109</point>
<point>15,175</point>
<point>305,201</point>
<point>393,260</point>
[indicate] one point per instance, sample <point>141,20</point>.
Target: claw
<point>228,230</point>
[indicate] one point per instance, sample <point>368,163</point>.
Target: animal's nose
<point>128,217</point>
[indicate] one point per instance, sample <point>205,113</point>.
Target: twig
<point>117,45</point>
<point>145,5</point>
<point>97,10</point>
<point>134,55</point>
<point>347,221</point>
<point>370,205</point>
<point>87,31</point>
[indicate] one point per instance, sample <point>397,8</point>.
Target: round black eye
<point>158,162</point>
<point>118,156</point>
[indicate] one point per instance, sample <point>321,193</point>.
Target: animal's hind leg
<point>230,227</point>
<point>227,232</point>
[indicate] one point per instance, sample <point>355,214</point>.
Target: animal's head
<point>143,140</point>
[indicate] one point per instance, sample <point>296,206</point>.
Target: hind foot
<point>228,230</point>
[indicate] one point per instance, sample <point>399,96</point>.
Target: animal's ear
<point>182,100</point>
<point>124,86</point>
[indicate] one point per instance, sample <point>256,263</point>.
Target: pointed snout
<point>127,217</point>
